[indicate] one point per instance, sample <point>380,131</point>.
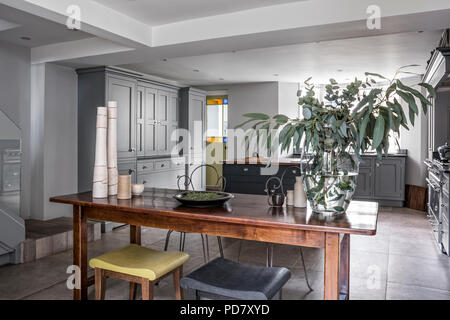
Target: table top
<point>360,218</point>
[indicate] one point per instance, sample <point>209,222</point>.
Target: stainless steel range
<point>438,201</point>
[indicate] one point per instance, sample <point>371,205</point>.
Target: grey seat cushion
<point>238,281</point>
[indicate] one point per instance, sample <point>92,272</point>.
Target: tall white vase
<point>100,187</point>
<point>299,193</point>
<point>112,149</point>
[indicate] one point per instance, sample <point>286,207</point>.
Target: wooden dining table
<point>244,217</point>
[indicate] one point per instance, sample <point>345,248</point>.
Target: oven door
<point>434,192</point>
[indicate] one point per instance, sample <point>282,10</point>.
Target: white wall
<point>54,136</point>
<point>287,99</point>
<point>415,141</point>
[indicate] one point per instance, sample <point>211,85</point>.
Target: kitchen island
<point>382,182</point>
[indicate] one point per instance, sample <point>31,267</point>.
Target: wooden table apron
<point>336,245</point>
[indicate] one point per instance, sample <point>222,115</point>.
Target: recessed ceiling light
<point>221,79</point>
<point>196,70</point>
<point>339,70</point>
<point>25,38</point>
<point>164,59</point>
<point>276,74</point>
<point>420,31</point>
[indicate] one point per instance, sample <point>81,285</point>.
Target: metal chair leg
<point>167,239</point>
<point>269,262</point>
<point>204,248</point>
<point>207,247</point>
<point>239,250</point>
<point>182,240</point>
<point>304,268</point>
<point>219,241</point>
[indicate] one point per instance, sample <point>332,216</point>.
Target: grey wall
<point>54,91</point>
<point>249,97</point>
<point>60,138</point>
<point>15,103</point>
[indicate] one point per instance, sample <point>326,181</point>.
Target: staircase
<point>12,234</point>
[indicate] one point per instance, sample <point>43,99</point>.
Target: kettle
<point>444,152</point>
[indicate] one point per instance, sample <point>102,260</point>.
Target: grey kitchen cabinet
<point>157,119</point>
<point>123,91</point>
<point>160,173</point>
<point>192,118</point>
<point>138,98</point>
<point>365,181</point>
<point>382,182</point>
<point>389,179</point>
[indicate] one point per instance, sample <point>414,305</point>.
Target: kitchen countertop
<point>288,161</point>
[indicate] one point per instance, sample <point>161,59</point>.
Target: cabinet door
<point>197,109</point>
<point>140,122</point>
<point>150,122</point>
<point>389,176</point>
<point>163,122</point>
<point>174,120</point>
<point>124,92</point>
<point>364,187</point>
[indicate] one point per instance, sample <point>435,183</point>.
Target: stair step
<point>45,238</point>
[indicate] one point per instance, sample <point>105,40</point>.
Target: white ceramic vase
<point>113,174</point>
<point>299,193</point>
<point>100,184</point>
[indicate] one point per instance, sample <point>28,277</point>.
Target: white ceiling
<point>294,63</point>
<point>41,31</point>
<point>158,12</point>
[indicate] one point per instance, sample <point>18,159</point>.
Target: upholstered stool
<point>138,265</point>
<point>225,279</point>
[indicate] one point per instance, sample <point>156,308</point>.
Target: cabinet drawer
<point>162,165</point>
<point>243,170</point>
<point>178,163</point>
<point>11,170</point>
<point>145,166</point>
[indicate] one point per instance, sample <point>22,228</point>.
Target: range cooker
<point>438,201</point>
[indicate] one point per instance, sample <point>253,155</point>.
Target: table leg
<point>344,274</point>
<point>80,251</point>
<point>135,237</point>
<point>331,274</point>
<point>135,234</point>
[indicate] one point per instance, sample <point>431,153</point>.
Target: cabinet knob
<point>246,169</point>
<point>144,167</point>
<point>378,164</point>
<point>130,171</point>
<point>144,182</point>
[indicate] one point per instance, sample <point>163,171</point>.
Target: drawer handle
<point>144,182</point>
<point>130,171</point>
<point>162,166</point>
<point>144,167</point>
<point>245,169</point>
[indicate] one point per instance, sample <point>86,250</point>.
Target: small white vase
<point>112,149</point>
<point>100,179</point>
<point>299,193</point>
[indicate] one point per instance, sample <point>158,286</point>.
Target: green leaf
<point>257,116</point>
<point>343,129</point>
<point>424,101</point>
<point>375,75</point>
<point>431,90</point>
<point>391,120</point>
<point>281,118</point>
<point>339,209</point>
<point>307,113</point>
<point>378,133</point>
<point>362,130</point>
<point>409,98</point>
